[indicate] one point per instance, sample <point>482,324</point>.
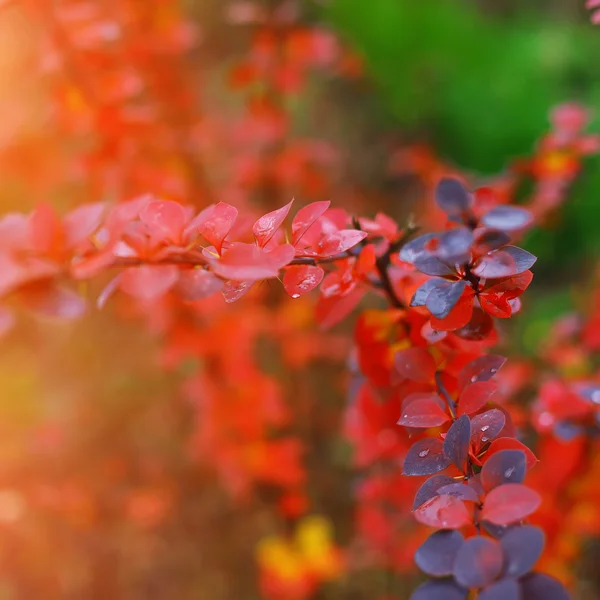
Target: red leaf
<point>496,305</point>
<point>214,223</point>
<point>340,241</point>
<point>443,512</point>
<point>423,413</point>
<point>475,397</point>
<point>265,227</point>
<point>80,223</point>
<point>148,282</point>
<point>248,262</point>
<point>165,220</point>
<point>301,279</point>
<point>366,260</point>
<point>306,217</point>
<point>459,316</point>
<point>510,503</point>
<point>415,364</point>
<point>233,290</point>
<point>45,229</point>
<point>330,311</point>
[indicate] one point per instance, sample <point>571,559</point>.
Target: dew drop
<point>484,439</point>
<point>509,472</point>
<point>493,370</point>
<point>405,416</point>
<point>423,453</point>
<point>295,295</point>
<point>485,428</point>
<point>474,379</point>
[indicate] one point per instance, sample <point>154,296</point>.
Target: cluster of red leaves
<point>164,248</point>
<point>123,116</point>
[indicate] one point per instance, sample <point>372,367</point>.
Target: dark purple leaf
<point>437,553</point>
<point>507,589</point>
<point>481,369</point>
<point>459,490</point>
<point>522,547</point>
<point>416,248</point>
<point>425,457</point>
<point>492,239</point>
<point>486,426</point>
<point>452,197</point>
<point>539,586</point>
<point>429,489</point>
<point>439,590</point>
<point>505,466</point>
<point>478,562</point>
<point>456,444</point>
<point>494,530</point>
<point>506,262</point>
<point>507,218</point>
<point>478,328</point>
<point>454,246</point>
<point>430,265</point>
<point>443,298</point>
<point>423,291</point>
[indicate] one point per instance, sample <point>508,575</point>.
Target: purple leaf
<point>423,291</point>
<point>430,265</point>
<point>481,369</point>
<point>507,262</point>
<point>456,444</point>
<point>459,490</point>
<point>478,562</point>
<point>492,239</point>
<point>539,586</point>
<point>439,590</point>
<point>443,298</point>
<point>522,547</point>
<point>507,218</point>
<point>437,553</point>
<point>452,197</point>
<point>507,589</point>
<point>487,426</point>
<point>415,248</point>
<point>425,457</point>
<point>454,246</point>
<point>494,530</point>
<point>505,466</point>
<point>429,489</point>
